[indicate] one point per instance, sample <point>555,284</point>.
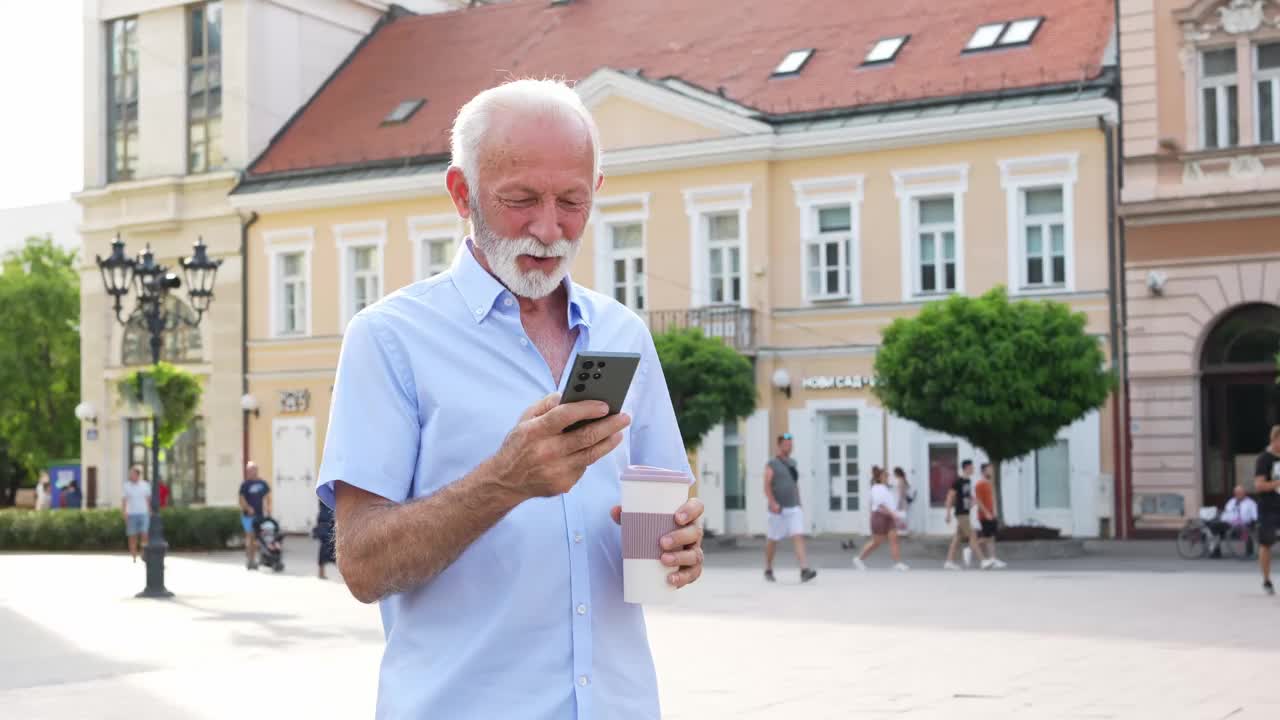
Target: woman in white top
<point>903,495</point>
<point>44,492</point>
<point>884,521</point>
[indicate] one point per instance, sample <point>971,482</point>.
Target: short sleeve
<point>374,426</point>
<point>1261,467</point>
<point>655,434</point>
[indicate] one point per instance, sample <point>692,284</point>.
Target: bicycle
<point>1199,538</point>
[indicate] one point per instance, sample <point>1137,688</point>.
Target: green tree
<point>40,353</point>
<point>1006,376</point>
<point>710,382</point>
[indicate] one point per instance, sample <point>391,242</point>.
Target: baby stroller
<point>270,543</point>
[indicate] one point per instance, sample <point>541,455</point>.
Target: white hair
<point>547,97</point>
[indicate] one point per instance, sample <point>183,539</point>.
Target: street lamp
<point>152,281</point>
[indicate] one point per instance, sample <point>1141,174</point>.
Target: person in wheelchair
<point>1239,511</point>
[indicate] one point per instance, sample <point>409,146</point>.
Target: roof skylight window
<point>985,36</point>
<point>1004,34</point>
<point>793,62</point>
<point>1020,31</point>
<point>403,112</point>
<point>885,50</point>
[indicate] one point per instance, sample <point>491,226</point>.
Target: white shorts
<point>788,523</point>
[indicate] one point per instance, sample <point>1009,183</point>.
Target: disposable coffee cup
<point>650,498</point>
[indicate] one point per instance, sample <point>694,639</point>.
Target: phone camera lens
<point>596,376</point>
<point>587,365</point>
<point>600,364</point>
<point>579,387</point>
<point>583,376</point>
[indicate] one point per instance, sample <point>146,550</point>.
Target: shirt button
<point>582,680</point>
<point>524,342</point>
<point>582,609</point>
<point>577,537</point>
<point>507,302</point>
<point>479,311</point>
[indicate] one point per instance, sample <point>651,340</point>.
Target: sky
<point>42,83</point>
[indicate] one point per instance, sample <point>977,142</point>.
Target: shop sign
<point>295,401</point>
<point>837,382</point>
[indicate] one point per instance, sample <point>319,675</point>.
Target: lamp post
<point>152,282</point>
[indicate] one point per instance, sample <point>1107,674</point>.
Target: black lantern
<point>117,273</point>
<point>200,273</point>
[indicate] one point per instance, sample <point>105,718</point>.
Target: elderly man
<point>488,536</point>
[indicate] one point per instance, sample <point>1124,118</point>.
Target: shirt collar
<point>481,291</point>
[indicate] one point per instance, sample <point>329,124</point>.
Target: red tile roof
<point>730,44</point>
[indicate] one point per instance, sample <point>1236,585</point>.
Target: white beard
<point>502,255</point>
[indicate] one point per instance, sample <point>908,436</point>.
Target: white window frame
<point>347,237</point>
<point>1272,76</point>
<point>1017,175</point>
<point>918,184</point>
<point>699,203</point>
<point>424,229</point>
<point>278,243</point>
<point>813,195</point>
<point>1219,84</point>
<point>607,213</point>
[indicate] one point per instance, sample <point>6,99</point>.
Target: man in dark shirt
<point>1266,481</point>
<point>960,498</point>
<point>255,497</point>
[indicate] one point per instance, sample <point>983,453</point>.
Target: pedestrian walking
<point>884,522</point>
<point>136,506</point>
<point>903,495</point>
<point>255,504</point>
<point>960,501</point>
<point>1266,482</point>
<point>988,521</point>
<point>786,517</point>
<point>323,531</point>
<point>44,492</point>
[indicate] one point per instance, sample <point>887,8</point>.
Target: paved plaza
<point>1129,631</point>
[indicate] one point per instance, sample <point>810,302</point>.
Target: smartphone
<point>604,376</point>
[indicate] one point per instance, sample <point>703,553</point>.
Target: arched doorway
<point>1240,400</point>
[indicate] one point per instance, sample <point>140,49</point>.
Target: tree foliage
<point>40,354</point>
<point>176,397</point>
<point>1006,376</point>
<point>710,382</point>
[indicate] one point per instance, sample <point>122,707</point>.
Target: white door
<point>735,480</point>
<point>293,462</point>
<point>759,448</point>
<point>711,480</point>
<point>1059,482</point>
<point>841,467</point>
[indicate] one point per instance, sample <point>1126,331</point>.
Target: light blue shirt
<point>529,621</point>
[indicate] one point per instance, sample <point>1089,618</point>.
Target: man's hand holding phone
<point>539,459</point>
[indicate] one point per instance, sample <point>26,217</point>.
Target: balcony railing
<point>731,323</point>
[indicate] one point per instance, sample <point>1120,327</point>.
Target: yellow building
<point>790,215</point>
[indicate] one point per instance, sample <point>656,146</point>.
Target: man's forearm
<point>389,548</point>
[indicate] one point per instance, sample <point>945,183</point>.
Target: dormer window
<point>1218,96</point>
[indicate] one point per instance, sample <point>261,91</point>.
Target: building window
<point>1044,242</point>
<point>122,99</point>
<point>935,232</point>
<point>181,466</point>
<point>292,286</point>
<point>180,344</point>
<point>1267,101</point>
<point>627,264</point>
<point>365,281</point>
<point>204,88</point>
<point>724,258</point>
<point>437,255</point>
<point>1053,477</point>
<point>840,439</point>
<point>1218,98</point>
<point>828,262</point>
<point>944,466</point>
<point>735,489</point>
